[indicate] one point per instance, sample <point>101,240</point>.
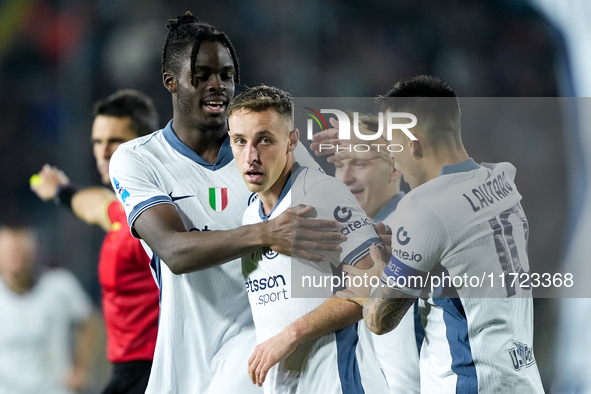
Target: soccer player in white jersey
<point>375,183</point>
<point>460,218</point>
<point>184,197</point>
<point>306,345</point>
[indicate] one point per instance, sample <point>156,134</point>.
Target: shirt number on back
<point>503,235</point>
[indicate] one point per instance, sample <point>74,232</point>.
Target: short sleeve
<point>135,183</point>
<point>418,242</point>
<point>332,200</point>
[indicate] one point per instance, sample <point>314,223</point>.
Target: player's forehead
<point>246,121</point>
<point>16,238</point>
<point>107,127</point>
<point>213,55</point>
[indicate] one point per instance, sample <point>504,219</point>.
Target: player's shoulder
<point>58,279</point>
<point>147,142</point>
<point>313,181</point>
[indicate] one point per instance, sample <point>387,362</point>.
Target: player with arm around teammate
<point>460,218</point>
<point>184,197</point>
<point>307,345</point>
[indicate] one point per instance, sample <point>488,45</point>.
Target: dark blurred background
<point>57,57</point>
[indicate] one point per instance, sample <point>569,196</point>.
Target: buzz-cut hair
<point>132,104</point>
<point>261,98</point>
<point>187,31</point>
<point>427,97</point>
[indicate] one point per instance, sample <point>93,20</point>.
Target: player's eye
<point>201,77</point>
<point>227,76</point>
<point>265,140</point>
<point>240,141</point>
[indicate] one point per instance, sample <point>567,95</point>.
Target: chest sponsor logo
<point>522,355</point>
<point>218,198</point>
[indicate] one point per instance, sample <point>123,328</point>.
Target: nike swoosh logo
<point>178,198</point>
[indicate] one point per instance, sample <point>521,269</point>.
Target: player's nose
<point>215,84</point>
<point>347,176</point>
<point>252,153</point>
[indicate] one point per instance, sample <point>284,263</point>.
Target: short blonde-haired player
<point>375,183</point>
<point>306,345</point>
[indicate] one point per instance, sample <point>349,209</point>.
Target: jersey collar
<point>388,208</point>
<point>224,155</point>
<point>295,170</point>
<point>464,166</point>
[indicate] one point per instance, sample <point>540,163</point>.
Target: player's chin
<point>253,186</point>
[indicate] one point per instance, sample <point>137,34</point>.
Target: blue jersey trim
<point>361,251</point>
<point>142,206</point>
<point>388,208</point>
<point>396,268</point>
<point>464,166</point>
<point>225,155</point>
<point>348,366</point>
<point>419,329</point>
<point>155,264</point>
<point>456,325</point>
<point>295,170</point>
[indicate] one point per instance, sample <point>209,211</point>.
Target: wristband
<point>64,194</point>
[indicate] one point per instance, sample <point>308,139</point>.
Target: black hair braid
<point>187,29</point>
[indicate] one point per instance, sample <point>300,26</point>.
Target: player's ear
<point>416,149</point>
<point>394,173</point>
<point>294,138</point>
<point>169,82</point>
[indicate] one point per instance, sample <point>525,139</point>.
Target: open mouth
<point>356,192</point>
<point>254,176</point>
<point>214,106</point>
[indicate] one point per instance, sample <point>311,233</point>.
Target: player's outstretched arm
<point>187,251</point>
<point>385,308</point>
<point>334,314</point>
<point>87,204</point>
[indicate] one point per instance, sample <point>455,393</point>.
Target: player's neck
<point>206,143</point>
<point>371,213</point>
<point>17,285</point>
<point>441,160</point>
<point>270,197</point>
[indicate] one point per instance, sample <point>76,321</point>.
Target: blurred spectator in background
<point>38,308</point>
<point>129,292</point>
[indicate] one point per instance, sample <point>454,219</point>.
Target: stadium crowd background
<point>57,57</point>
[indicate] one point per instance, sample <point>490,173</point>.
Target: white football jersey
<point>339,362</point>
<point>450,235</point>
<point>205,330</point>
<point>398,350</point>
